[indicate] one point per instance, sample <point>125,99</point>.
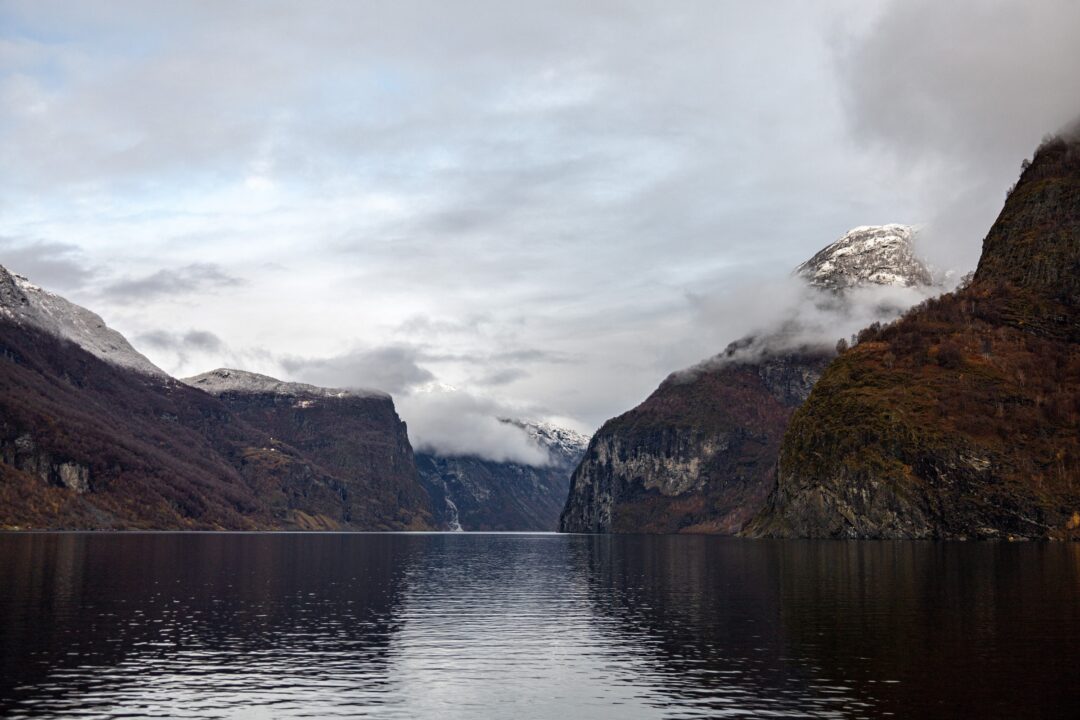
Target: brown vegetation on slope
<point>86,444</point>
<point>962,419</point>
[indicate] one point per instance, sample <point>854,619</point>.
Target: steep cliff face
<point>699,455</point>
<point>962,419</point>
<point>354,436</point>
<point>471,493</point>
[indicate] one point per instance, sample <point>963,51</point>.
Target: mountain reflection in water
<point>533,626</point>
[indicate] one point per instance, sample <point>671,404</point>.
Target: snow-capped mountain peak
<point>868,255</point>
<point>563,444</point>
<point>229,380</point>
<point>27,304</point>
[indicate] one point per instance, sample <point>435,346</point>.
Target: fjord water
<point>533,626</point>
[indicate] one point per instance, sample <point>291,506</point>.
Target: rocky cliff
<point>699,455</point>
<point>472,493</point>
<point>354,436</point>
<point>961,420</point>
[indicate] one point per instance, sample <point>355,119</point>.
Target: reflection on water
<point>533,626</point>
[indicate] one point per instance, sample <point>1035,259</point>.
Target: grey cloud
<point>959,93</point>
<point>969,79</point>
<point>192,340</point>
<point>203,340</point>
<point>501,377</point>
<point>524,355</point>
<point>52,265</point>
<point>182,353</point>
<point>196,277</point>
<point>452,422</point>
<point>393,369</point>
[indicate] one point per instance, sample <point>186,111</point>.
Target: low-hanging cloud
<point>797,316</point>
<point>455,423</point>
<point>183,353</point>
<point>202,340</point>
<point>393,369</point>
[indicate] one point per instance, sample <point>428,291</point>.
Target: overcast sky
<point>547,207</point>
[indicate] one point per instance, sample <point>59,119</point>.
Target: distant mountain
<point>471,493</point>
<point>93,435</point>
<point>699,454</point>
<point>961,420</point>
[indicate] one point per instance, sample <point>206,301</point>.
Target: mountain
<point>699,454</point>
<point>354,435</point>
<point>92,435</point>
<point>27,305</point>
<point>471,493</point>
<point>962,419</point>
<point>868,255</point>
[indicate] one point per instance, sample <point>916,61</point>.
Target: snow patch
<point>229,380</point>
<point>25,303</point>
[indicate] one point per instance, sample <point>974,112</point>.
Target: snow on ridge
<point>230,380</point>
<point>868,255</point>
<point>25,303</point>
<point>562,444</point>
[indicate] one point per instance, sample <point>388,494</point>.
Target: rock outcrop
<point>699,455</point>
<point>962,419</point>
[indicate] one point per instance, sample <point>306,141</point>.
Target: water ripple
<point>530,626</point>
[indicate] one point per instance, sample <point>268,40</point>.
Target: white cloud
<point>451,422</point>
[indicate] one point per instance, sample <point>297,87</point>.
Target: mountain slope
<point>355,436</point>
<point>471,493</point>
<point>25,304</point>
<point>699,455</point>
<point>963,418</point>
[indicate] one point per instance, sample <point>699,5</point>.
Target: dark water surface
<point>534,626</point>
